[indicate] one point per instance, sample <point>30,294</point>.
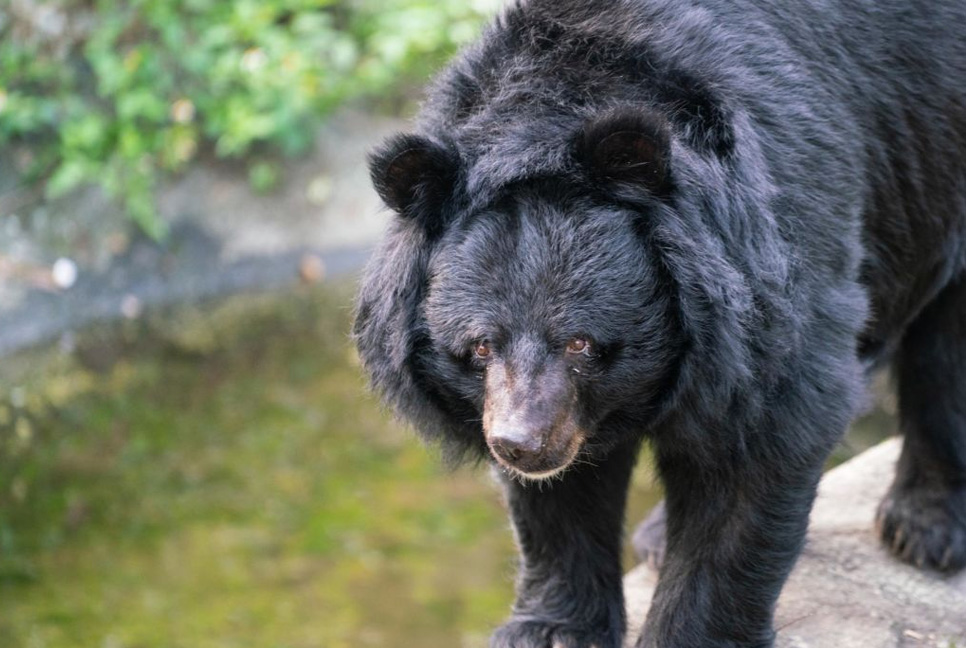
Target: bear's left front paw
<point>925,526</point>
<point>541,634</point>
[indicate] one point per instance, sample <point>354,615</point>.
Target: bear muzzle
<point>529,421</point>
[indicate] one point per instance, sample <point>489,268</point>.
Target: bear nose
<point>516,447</point>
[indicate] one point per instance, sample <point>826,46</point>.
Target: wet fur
<point>810,219</point>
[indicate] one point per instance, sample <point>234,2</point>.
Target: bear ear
<point>414,175</point>
<point>627,147</point>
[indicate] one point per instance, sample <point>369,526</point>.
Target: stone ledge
<point>846,590</point>
<point>225,238</point>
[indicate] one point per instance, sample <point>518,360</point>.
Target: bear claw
<point>925,526</point>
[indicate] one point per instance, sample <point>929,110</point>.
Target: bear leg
<point>568,528</point>
<point>923,517</point>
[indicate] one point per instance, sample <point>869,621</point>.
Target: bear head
<point>536,326</point>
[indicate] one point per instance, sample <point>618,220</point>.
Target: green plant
<point>119,92</point>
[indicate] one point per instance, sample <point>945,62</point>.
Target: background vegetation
<point>217,477</point>
<point>119,92</point>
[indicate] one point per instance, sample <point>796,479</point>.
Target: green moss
<point>228,482</point>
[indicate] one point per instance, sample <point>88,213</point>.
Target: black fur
<point>746,206</point>
<point>413,175</point>
<point>627,147</point>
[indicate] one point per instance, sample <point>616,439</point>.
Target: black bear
<point>699,223</point>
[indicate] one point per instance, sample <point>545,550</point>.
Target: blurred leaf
<point>255,72</point>
<point>263,176</point>
<point>69,175</point>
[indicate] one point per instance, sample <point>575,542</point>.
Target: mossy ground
<point>218,477</point>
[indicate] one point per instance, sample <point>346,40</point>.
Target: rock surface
<point>847,591</point>
<point>225,238</point>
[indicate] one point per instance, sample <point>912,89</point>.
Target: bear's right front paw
<point>544,634</point>
<point>925,526</point>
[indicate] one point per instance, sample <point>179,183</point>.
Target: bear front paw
<point>543,634</point>
<point>925,526</point>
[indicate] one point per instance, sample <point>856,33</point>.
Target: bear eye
<point>483,349</point>
<point>578,345</point>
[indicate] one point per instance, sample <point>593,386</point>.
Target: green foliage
<point>119,92</point>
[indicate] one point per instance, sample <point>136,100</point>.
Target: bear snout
<point>528,422</point>
<point>518,448</point>
<point>534,455</point>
